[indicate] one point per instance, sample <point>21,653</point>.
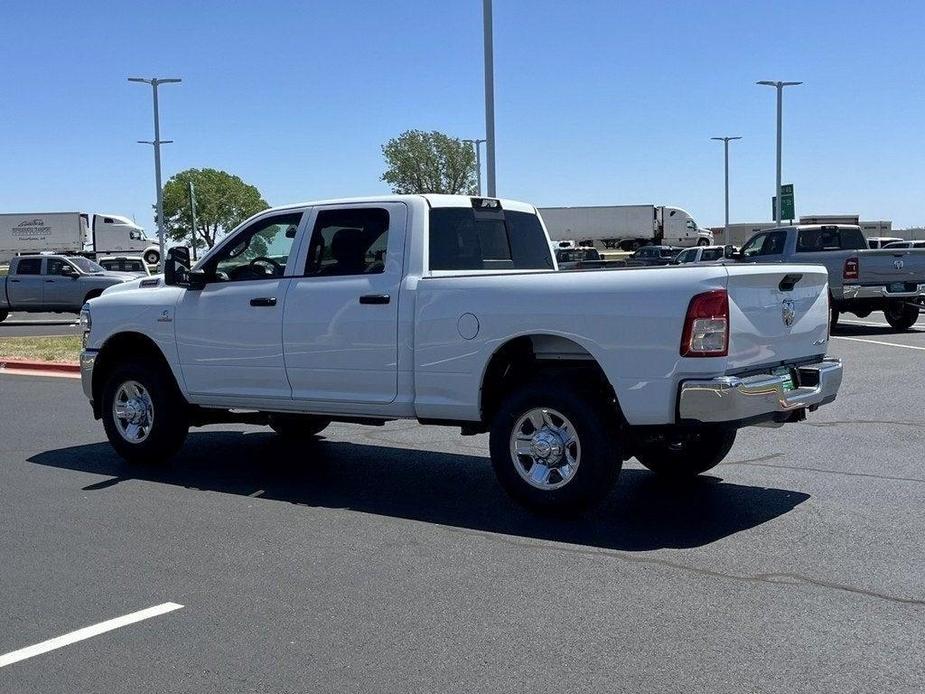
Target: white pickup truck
<point>450,310</point>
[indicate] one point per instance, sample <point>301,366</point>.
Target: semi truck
<point>626,227</point>
<point>76,233</point>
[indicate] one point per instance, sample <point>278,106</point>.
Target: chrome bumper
<point>879,291</point>
<point>752,399</point>
<point>87,360</point>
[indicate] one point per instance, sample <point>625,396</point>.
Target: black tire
<point>703,242</point>
<point>688,456</point>
<point>3,315</point>
<point>92,294</point>
<point>170,416</point>
<point>834,315</point>
<point>900,315</point>
<point>300,426</point>
<point>152,257</point>
<point>596,427</point>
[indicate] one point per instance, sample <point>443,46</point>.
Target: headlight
<point>85,323</point>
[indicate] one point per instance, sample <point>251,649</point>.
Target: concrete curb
<point>18,365</point>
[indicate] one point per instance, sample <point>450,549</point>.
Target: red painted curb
<point>38,366</point>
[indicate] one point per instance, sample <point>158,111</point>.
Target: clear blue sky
<point>598,102</point>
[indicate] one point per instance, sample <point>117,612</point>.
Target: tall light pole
<point>478,162</point>
<point>725,141</point>
<point>489,97</point>
<point>780,99</point>
<point>157,142</point>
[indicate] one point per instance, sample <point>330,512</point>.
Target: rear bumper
<point>879,291</point>
<point>761,398</point>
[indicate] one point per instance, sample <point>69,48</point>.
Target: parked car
<point>881,241</point>
<point>861,280</point>
<point>700,254</point>
<point>578,258</point>
<point>906,244</point>
<point>448,310</point>
<point>123,263</point>
<point>653,255</point>
<point>53,283</point>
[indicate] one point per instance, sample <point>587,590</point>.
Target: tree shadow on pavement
<point>642,513</point>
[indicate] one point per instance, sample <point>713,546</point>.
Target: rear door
<point>777,313</point>
<point>340,325</point>
<point>25,287</point>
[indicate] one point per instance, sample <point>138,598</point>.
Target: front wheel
<point>554,448</point>
<point>3,315</point>
<point>144,414</point>
<point>152,257</point>
<point>900,315</point>
<point>686,454</point>
<point>703,242</point>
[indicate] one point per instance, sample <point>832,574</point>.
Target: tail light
<point>851,269</point>
<point>706,326</point>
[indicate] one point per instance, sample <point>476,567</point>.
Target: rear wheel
<point>687,454</point>
<point>900,315</point>
<point>298,426</point>
<point>3,315</point>
<point>144,414</point>
<point>554,448</point>
<point>833,318</point>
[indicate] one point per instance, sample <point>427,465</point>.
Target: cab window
<point>29,266</point>
<point>768,243</point>
<point>258,252</point>
<point>349,241</point>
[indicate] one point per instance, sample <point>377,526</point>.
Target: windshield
<point>86,265</point>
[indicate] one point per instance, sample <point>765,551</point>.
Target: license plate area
<point>787,372</point>
<point>898,287</point>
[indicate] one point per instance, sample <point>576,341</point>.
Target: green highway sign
<point>787,210</point>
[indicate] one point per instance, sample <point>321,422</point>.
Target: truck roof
<point>432,199</point>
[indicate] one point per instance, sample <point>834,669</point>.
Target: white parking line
<point>86,633</point>
<point>876,342</point>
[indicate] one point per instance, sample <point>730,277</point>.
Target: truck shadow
<point>642,513</point>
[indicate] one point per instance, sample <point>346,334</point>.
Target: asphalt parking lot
<point>387,559</point>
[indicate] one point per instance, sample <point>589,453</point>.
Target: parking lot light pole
<point>780,98</point>
<point>725,141</point>
<point>489,97</point>
<point>478,162</point>
<point>157,142</point>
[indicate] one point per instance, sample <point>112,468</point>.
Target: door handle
<point>264,301</point>
<point>50,281</point>
<point>375,299</point>
<point>14,281</point>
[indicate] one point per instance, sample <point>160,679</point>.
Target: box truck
<point>92,235</point>
<point>625,226</point>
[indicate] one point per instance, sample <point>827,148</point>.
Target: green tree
<point>421,162</point>
<point>222,202</point>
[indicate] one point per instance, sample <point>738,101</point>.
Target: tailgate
<point>892,265</point>
<point>777,313</point>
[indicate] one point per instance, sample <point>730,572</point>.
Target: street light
<point>478,162</point>
<point>780,97</point>
<point>725,141</point>
<point>489,96</point>
<point>157,142</point>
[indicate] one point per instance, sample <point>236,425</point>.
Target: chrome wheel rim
<point>133,412</point>
<point>545,449</point>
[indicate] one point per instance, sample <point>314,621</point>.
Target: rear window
<point>462,238</point>
<point>829,239</point>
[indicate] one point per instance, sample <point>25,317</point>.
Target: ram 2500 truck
<point>54,284</point>
<point>861,280</point>
<point>449,310</point>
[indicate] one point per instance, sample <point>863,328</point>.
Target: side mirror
<point>177,272</point>
<point>730,252</point>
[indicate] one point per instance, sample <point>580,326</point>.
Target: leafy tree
<point>421,162</point>
<point>222,202</point>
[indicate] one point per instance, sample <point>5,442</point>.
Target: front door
<point>229,334</point>
<point>340,328</point>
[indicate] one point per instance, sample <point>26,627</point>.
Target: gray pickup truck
<point>861,280</point>
<point>54,283</point>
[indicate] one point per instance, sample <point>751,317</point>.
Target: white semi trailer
<point>625,226</point>
<point>73,232</point>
